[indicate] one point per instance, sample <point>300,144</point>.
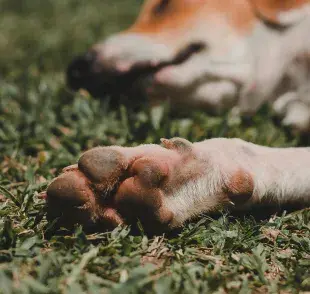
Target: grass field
<point>43,128</point>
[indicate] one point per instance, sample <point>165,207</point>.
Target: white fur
<point>280,175</point>
<point>295,15</point>
<point>194,198</point>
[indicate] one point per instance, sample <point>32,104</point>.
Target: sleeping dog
<point>209,54</point>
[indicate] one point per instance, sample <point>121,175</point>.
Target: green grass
<point>43,128</point>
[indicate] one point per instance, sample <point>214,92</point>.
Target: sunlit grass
<point>43,128</point>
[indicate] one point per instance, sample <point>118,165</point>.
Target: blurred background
<point>47,34</point>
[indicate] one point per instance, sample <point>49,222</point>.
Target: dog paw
<point>114,185</point>
<point>162,186</point>
<point>294,112</point>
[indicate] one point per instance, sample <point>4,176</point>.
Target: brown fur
<point>180,13</point>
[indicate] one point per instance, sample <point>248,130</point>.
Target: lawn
<point>44,127</point>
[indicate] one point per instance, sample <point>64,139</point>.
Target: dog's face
<point>167,33</point>
<point>171,48</point>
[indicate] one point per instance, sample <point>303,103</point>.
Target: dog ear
<point>269,11</point>
<point>240,187</point>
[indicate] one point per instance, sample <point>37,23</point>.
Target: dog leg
<point>164,186</point>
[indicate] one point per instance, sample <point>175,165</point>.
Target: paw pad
<point>103,167</point>
<point>151,173</point>
<point>70,189</point>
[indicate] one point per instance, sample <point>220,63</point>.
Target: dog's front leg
<point>164,186</point>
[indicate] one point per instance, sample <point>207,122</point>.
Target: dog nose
<point>80,70</point>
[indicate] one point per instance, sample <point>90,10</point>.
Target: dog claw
<point>179,144</point>
<point>70,168</point>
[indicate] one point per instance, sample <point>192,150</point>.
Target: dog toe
<point>103,165</point>
<point>70,188</point>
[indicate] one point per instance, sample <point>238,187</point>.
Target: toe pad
<point>102,164</point>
